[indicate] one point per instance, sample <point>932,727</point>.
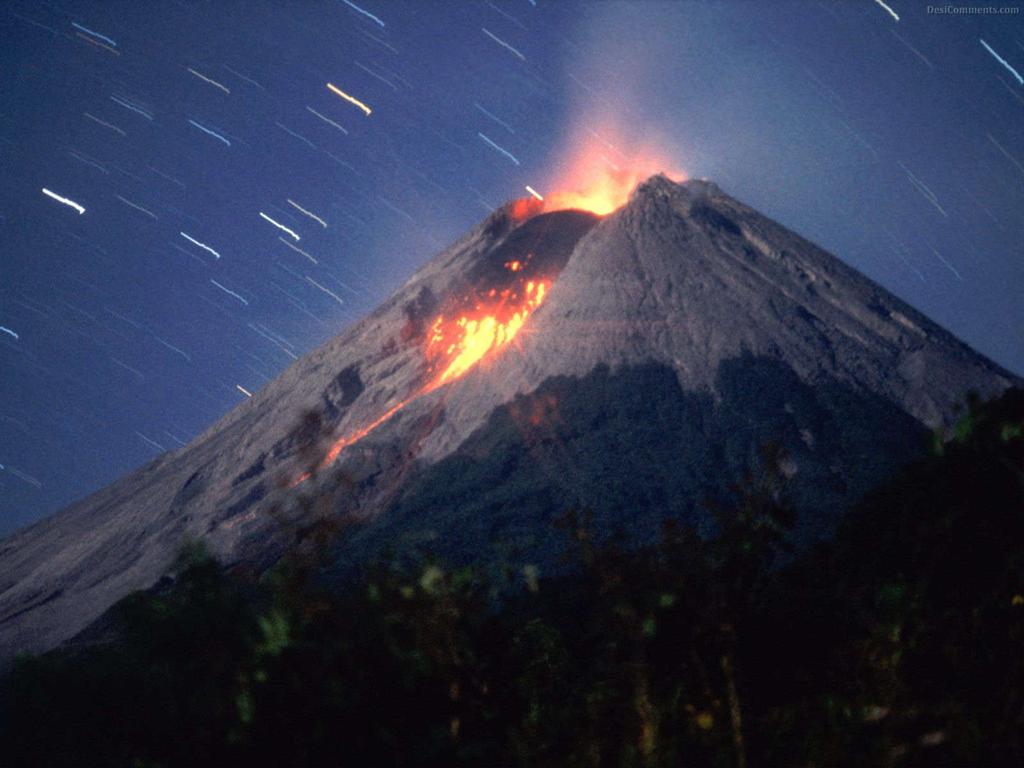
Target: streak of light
<point>21,475</point>
<point>64,200</point>
<point>395,209</point>
<point>290,132</point>
<point>104,123</point>
<point>243,77</point>
<point>272,340</point>
<point>1004,62</point>
<point>201,245</point>
<point>945,263</point>
<point>923,188</point>
<point>342,163</point>
<point>508,16</point>
<point>34,23</point>
<point>302,308</point>
<point>912,49</point>
<point>364,12</point>
<point>1009,157</point>
<point>327,120</point>
<point>30,308</point>
<point>280,226</point>
<point>82,159</point>
<point>173,348</point>
<point>243,390</point>
<point>128,368</point>
<point>94,33</point>
<point>215,135</point>
<point>326,290</point>
<point>534,192</point>
<point>8,331</point>
<point>495,118</point>
<point>178,440</point>
<point>229,292</point>
<point>165,176</point>
<point>375,76</point>
<point>298,250</point>
<point>1009,88</point>
<point>502,43</point>
<point>132,107</point>
<point>211,81</point>
<point>139,208</point>
<point>311,215</point>
<point>98,44</point>
<point>380,42</point>
<point>901,250</point>
<point>122,318</point>
<point>394,75</point>
<point>121,170</point>
<point>188,253</point>
<point>890,11</point>
<point>350,99</point>
<point>154,443</point>
<point>503,151</point>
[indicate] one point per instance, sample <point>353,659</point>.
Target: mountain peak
<point>558,328</point>
<point>660,186</point>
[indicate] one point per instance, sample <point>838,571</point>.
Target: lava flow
<point>457,343</point>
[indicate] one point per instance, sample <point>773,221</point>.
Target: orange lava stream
<point>456,345</point>
<point>492,325</point>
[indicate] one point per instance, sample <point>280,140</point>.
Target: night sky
<point>128,329</point>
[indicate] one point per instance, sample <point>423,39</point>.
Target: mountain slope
<point>684,325</point>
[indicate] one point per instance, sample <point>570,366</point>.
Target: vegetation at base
<point>899,643</point>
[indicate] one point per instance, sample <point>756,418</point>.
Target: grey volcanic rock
<point>684,291</point>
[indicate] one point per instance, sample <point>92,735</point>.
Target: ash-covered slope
<point>675,335</point>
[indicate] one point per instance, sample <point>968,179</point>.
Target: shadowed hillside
<point>898,643</point>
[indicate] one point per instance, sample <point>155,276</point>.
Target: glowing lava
<point>458,343</point>
<point>599,176</point>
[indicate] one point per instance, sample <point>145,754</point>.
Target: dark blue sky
<point>896,145</point>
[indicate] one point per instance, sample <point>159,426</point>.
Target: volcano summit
<point>631,364</point>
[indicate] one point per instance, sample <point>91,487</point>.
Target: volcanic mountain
<point>631,365</point>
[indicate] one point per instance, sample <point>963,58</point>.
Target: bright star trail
<point>281,226</point>
<point>88,31</point>
<point>210,132</point>
<point>310,214</point>
<point>364,12</point>
<point>201,245</point>
<point>326,120</point>
<point>502,150</point>
<point>351,99</point>
<point>168,135</point>
<point>888,10</point>
<point>64,200</point>
<point>1004,62</point>
<point>514,51</point>
<point>209,80</point>
<point>229,292</point>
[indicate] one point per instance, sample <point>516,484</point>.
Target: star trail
<point>196,194</point>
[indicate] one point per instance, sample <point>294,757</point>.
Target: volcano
<point>630,364</point>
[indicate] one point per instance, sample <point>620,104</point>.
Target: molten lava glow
<point>600,176</point>
<point>359,434</point>
<point>456,345</point>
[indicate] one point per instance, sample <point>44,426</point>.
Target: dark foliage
<point>899,643</point>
